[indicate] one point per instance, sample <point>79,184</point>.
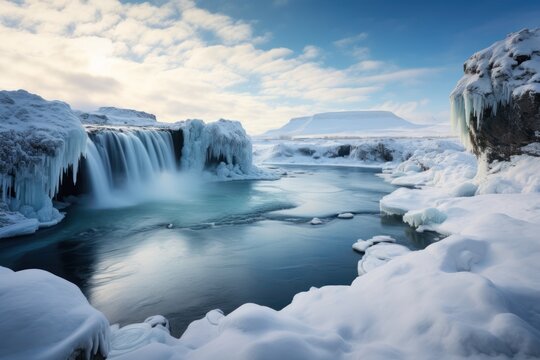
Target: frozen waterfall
<point>127,159</point>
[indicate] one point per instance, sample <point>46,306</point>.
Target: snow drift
<point>47,318</point>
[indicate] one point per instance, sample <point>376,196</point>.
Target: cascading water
<point>122,163</point>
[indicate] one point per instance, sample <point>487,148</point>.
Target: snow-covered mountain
<point>345,123</point>
<point>116,116</point>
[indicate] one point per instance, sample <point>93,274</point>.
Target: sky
<point>260,62</point>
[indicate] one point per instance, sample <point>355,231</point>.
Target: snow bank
<point>46,317</point>
<point>508,69</point>
<point>346,152</point>
<point>117,116</point>
<point>40,140</point>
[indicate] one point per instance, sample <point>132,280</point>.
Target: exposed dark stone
<point>306,151</point>
<point>384,152</point>
<point>343,150</point>
<point>69,187</point>
<point>178,143</point>
<point>513,126</point>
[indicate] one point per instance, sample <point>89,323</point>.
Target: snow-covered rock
<point>39,140</point>
<point>495,107</point>
<point>316,221</point>
<point>117,116</point>
<point>48,318</point>
<point>348,123</point>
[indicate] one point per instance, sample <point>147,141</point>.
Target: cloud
<point>351,40</point>
<point>176,60</point>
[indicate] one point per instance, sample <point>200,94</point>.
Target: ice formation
<point>222,144</point>
<point>46,317</point>
<point>508,68</point>
<point>123,158</point>
<point>40,140</point>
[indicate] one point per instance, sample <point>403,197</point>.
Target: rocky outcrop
<point>495,106</point>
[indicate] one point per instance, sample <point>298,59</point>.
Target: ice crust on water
<point>45,317</point>
<point>508,68</point>
<point>40,140</point>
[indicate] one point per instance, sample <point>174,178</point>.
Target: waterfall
<point>123,162</point>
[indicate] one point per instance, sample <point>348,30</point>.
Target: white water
<point>122,164</point>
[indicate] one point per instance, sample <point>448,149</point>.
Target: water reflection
<point>232,243</point>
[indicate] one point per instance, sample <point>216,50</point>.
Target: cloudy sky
<point>261,62</point>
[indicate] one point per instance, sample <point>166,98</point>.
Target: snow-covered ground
<point>46,317</point>
<point>375,152</point>
<point>474,294</point>
<point>354,124</point>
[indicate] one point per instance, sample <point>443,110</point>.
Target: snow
<point>45,317</point>
<point>117,116</point>
<point>474,293</point>
<point>351,123</point>
<point>361,245</point>
<point>379,254</point>
<point>346,215</point>
<point>362,152</point>
<point>493,76</point>
<point>40,140</point>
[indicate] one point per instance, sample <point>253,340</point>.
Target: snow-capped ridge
<point>117,116</point>
<point>344,123</point>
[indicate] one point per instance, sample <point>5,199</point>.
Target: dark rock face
<point>495,106</point>
<point>514,125</point>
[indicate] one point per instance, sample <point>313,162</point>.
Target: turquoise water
<point>231,243</point>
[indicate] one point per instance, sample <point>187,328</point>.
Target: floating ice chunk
<point>316,221</point>
<point>379,254</point>
<point>362,245</point>
<point>46,317</point>
<point>346,215</point>
<point>427,216</point>
<point>170,226</point>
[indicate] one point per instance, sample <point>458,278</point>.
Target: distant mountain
<point>117,116</point>
<point>345,123</point>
